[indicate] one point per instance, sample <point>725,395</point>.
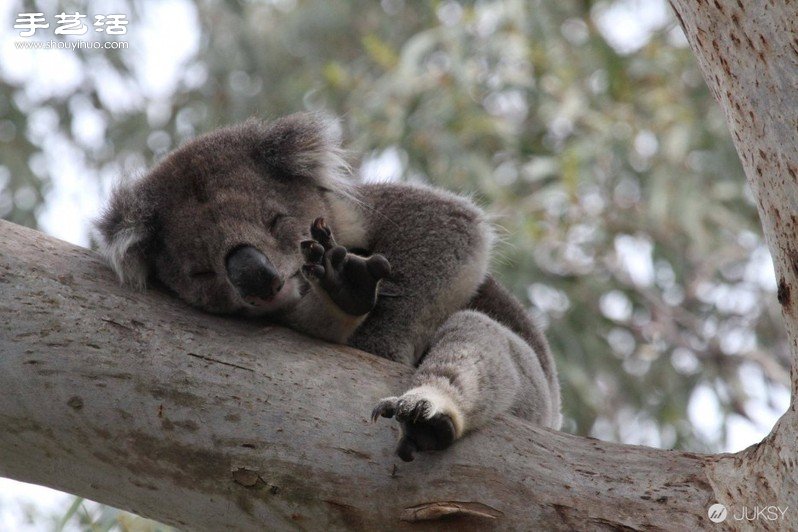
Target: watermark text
<point>719,513</point>
<point>71,45</point>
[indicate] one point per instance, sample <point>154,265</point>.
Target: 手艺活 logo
<point>71,24</point>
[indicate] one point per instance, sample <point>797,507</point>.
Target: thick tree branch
<point>208,423</point>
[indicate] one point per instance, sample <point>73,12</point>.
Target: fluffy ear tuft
<point>125,230</point>
<point>305,145</point>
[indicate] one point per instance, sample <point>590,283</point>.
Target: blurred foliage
<point>626,225</point>
<point>93,517</point>
<point>80,515</point>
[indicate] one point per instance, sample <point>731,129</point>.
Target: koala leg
<point>475,370</point>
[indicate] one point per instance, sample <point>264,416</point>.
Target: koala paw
<point>351,281</point>
<point>430,420</point>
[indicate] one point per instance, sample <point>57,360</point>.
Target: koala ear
<point>305,145</point>
<point>126,233</point>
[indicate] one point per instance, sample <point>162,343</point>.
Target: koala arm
<point>478,363</point>
<point>438,245</point>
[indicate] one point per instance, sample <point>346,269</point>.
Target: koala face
<point>219,220</point>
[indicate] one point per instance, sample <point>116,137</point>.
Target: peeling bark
<point>209,423</point>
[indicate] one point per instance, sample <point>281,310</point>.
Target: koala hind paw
<point>429,420</point>
<point>351,281</point>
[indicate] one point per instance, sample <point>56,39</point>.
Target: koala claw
<point>351,281</point>
<point>321,233</point>
<point>385,408</point>
<point>423,427</point>
<point>312,251</point>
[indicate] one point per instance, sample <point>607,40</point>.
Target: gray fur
<point>263,184</point>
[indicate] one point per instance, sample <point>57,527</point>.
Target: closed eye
<point>203,274</point>
<point>275,221</point>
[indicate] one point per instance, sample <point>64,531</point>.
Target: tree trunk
<point>209,423</point>
<point>748,53</point>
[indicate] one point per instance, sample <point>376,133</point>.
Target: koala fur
<point>258,219</point>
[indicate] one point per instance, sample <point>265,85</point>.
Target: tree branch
<point>209,423</point>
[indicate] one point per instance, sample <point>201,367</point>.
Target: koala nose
<point>252,273</point>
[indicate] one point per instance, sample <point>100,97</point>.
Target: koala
<point>260,219</point>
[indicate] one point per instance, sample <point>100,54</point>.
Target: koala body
<point>258,219</point>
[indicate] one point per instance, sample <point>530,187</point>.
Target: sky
<point>163,48</point>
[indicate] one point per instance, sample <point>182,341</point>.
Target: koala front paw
<point>430,420</point>
<point>351,281</point>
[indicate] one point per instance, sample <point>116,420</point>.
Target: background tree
<point>627,227</point>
